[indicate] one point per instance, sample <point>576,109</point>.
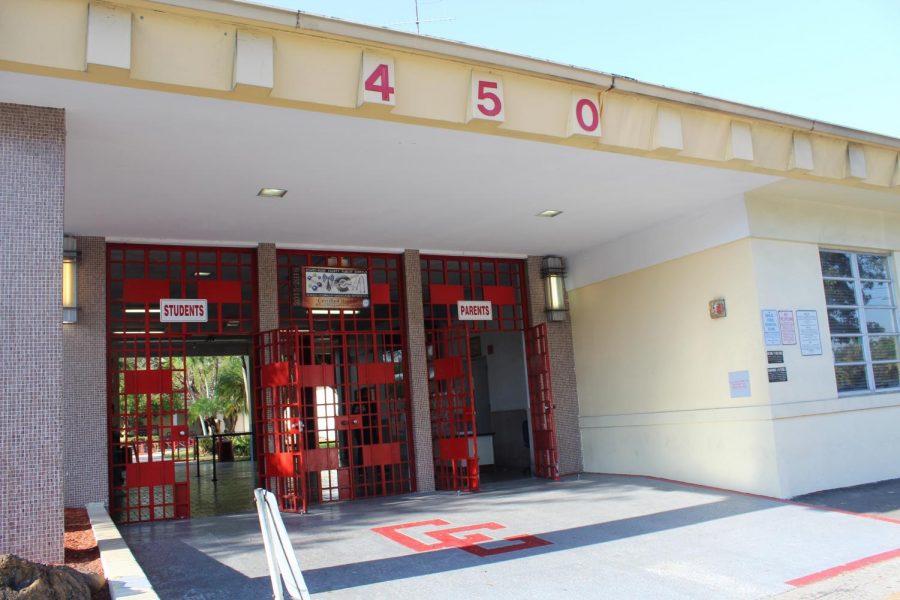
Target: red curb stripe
<point>850,566</point>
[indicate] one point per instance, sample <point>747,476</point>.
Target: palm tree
<point>217,385</point>
<point>231,391</point>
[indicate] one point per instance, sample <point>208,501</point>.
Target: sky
<point>829,60</point>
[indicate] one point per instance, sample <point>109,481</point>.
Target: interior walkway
<point>232,492</point>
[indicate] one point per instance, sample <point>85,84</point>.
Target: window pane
<point>872,266</point>
<point>835,264</point>
<point>847,349</point>
<point>839,292</point>
<point>880,320</point>
<point>886,376</point>
<point>843,321</point>
<point>876,293</point>
<point>851,378</point>
<point>883,347</point>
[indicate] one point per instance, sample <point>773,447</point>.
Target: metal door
<point>279,419</point>
<point>332,418</point>
<point>540,394</point>
<point>452,410</point>
<point>148,449</point>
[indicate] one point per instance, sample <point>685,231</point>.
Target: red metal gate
<point>452,410</point>
<point>278,418</point>
<point>147,366</point>
<point>333,417</point>
<point>148,429</point>
<point>540,394</point>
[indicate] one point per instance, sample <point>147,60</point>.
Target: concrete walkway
<point>588,537</point>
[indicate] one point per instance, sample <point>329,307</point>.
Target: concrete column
<point>267,274</point>
<point>418,372</point>
<point>562,373</point>
<point>32,183</point>
<point>84,383</point>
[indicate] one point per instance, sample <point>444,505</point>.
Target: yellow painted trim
<point>319,71</point>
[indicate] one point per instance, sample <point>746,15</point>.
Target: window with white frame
<point>862,316</point>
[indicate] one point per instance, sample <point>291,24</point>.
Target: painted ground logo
<point>465,537</point>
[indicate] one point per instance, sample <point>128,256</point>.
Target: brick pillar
<point>32,173</point>
<point>418,372</point>
<point>267,275</point>
<point>562,373</point>
<point>84,383</point>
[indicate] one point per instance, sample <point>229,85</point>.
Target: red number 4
<point>483,94</point>
<point>379,81</point>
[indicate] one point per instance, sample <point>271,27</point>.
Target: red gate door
<point>278,417</point>
<point>356,415</point>
<point>148,428</point>
<point>452,410</point>
<point>540,394</point>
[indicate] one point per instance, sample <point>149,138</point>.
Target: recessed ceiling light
<point>141,310</point>
<point>272,193</point>
<point>549,213</point>
<point>202,273</point>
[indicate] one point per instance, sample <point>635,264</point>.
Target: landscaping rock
<point>22,579</point>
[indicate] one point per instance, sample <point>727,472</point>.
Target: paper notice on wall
<point>739,384</point>
<point>788,328</point>
<point>808,332</point>
<point>771,330</point>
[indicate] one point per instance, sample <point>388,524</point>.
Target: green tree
<point>217,385</point>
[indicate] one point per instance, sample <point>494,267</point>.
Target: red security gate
<point>278,418</point>
<point>332,416</point>
<point>540,396</point>
<point>452,410</point>
<point>149,430</point>
<point>148,383</point>
<point>445,281</point>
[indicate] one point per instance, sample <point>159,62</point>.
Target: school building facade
<point>439,258</point>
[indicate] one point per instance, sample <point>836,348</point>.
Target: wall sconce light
<point>71,256</point>
<point>553,272</point>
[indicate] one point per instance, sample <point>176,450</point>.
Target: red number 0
<point>595,115</point>
<point>379,81</point>
<point>485,95</point>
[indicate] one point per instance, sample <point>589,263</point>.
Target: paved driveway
<point>587,537</point>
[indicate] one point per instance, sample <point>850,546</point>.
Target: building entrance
<point>149,385</point>
<point>332,412</point>
<point>492,412</point>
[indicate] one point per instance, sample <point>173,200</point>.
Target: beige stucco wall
<point>823,440</point>
<point>653,368</point>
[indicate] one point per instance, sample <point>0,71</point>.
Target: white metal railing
<point>280,555</point>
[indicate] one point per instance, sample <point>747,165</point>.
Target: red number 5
<point>483,94</point>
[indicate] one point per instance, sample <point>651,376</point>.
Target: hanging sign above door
<point>326,287</point>
<point>474,310</point>
<point>174,310</point>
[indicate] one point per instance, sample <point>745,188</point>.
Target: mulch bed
<point>82,552</point>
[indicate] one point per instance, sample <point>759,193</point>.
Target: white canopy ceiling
<point>161,166</point>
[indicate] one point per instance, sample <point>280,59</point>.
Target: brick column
<point>267,274</point>
<point>32,173</point>
<point>562,373</point>
<point>418,372</point>
<point>84,383</point>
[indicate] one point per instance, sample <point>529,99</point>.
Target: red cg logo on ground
<point>450,538</point>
